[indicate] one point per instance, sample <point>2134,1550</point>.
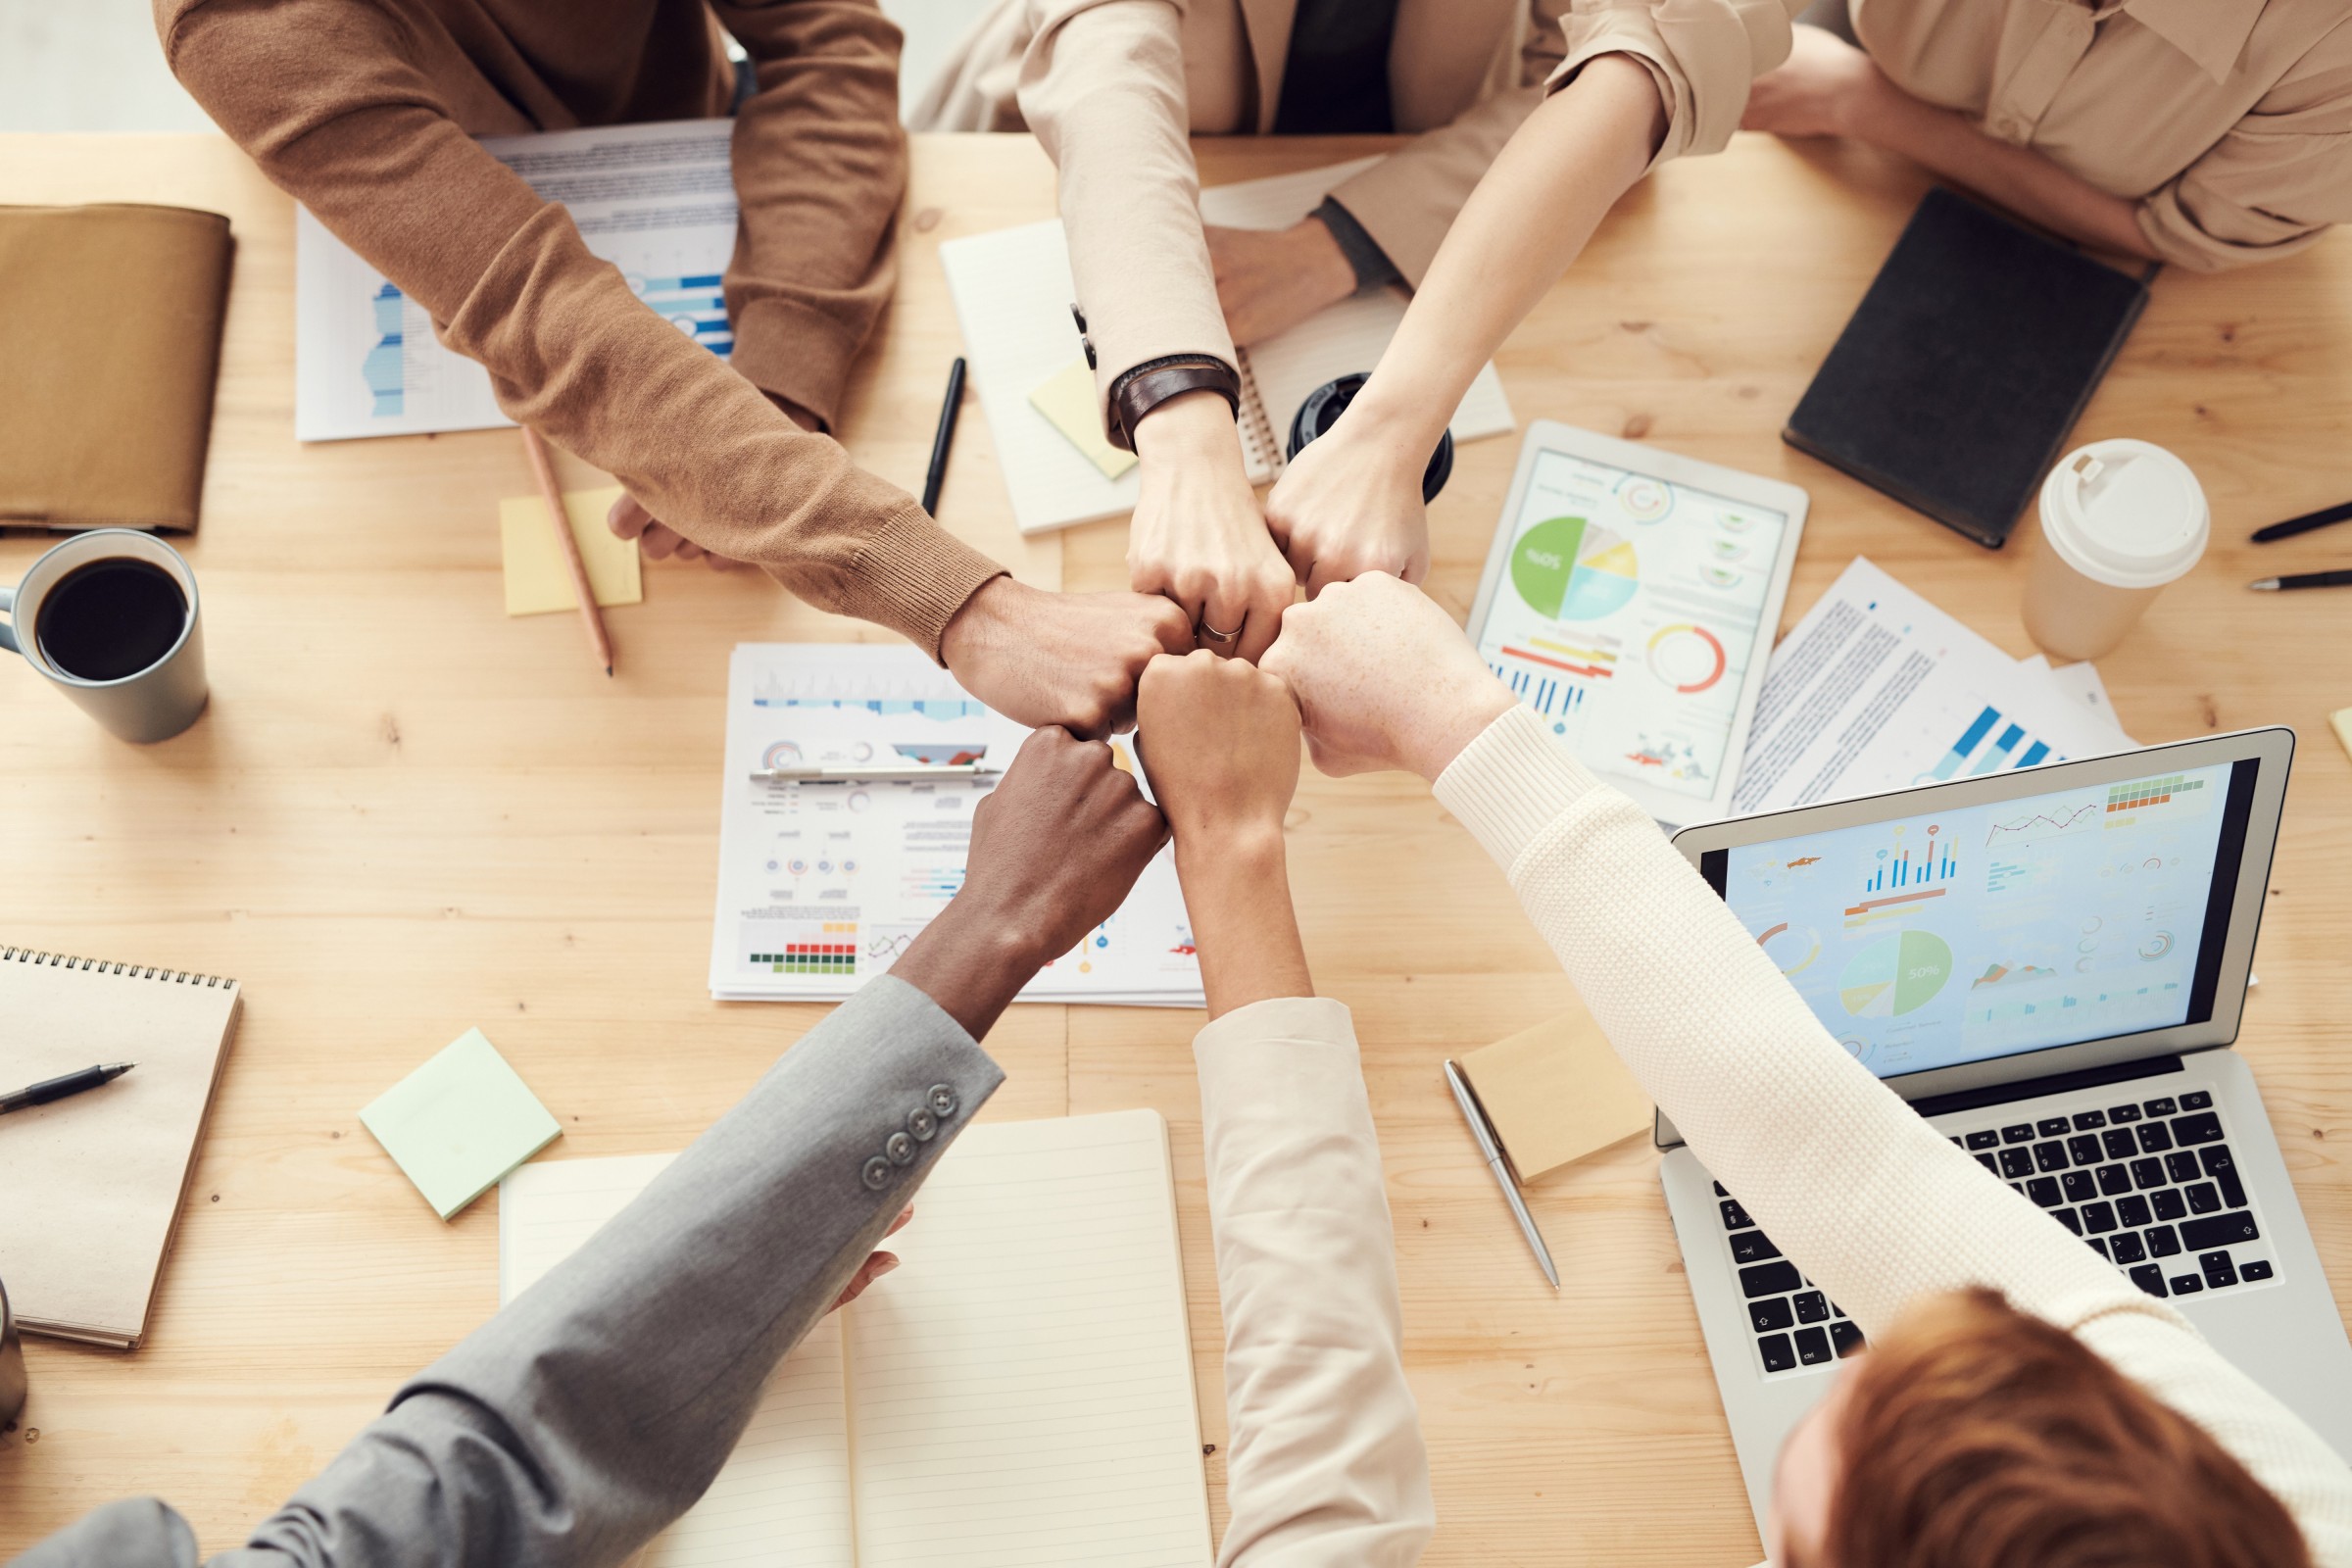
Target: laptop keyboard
<point>2149,1185</point>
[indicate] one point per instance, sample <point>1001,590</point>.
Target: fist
<point>1384,678</point>
<point>1219,739</point>
<point>1057,844</point>
<point>1067,660</point>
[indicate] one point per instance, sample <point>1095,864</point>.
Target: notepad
<point>1012,291</point>
<point>539,578</point>
<point>460,1122</point>
<point>1067,399</point>
<point>91,1186</point>
<point>1557,1092</point>
<point>1018,1393</point>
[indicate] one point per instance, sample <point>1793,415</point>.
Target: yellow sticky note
<point>1067,400</point>
<point>537,579</point>
<point>2341,722</point>
<point>1555,1094</point>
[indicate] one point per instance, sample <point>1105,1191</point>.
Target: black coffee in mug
<point>111,618</point>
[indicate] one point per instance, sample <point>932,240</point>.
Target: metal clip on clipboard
<point>880,773</point>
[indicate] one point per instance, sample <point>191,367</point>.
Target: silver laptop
<point>2050,966</point>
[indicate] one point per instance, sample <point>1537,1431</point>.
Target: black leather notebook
<point>1957,380</point>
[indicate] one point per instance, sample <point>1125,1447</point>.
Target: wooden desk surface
<point>407,814</point>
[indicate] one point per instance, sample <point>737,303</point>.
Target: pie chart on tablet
<point>1572,569</point>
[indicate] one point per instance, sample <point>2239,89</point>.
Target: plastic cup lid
<point>2127,513</point>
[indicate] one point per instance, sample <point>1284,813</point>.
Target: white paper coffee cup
<point>2120,520</point>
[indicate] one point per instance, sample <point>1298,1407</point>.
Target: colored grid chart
<point>2146,795</point>
<point>833,952</point>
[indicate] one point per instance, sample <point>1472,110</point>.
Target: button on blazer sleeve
<point>326,96</point>
<point>1326,1467</point>
<point>598,1407</point>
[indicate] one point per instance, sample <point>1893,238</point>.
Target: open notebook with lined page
<point>1013,290</point>
<point>1017,1395</point>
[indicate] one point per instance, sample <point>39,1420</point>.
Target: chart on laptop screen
<point>1990,930</point>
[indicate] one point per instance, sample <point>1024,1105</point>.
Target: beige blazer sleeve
<point>1325,1465</point>
<point>1702,53</point>
<point>2275,182</point>
<point>1102,84</point>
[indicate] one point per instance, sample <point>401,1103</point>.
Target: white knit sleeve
<point>1326,1467</point>
<point>1858,1191</point>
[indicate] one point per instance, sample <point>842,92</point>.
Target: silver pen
<point>877,773</point>
<point>1492,1151</point>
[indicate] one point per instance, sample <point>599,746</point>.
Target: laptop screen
<point>1985,931</point>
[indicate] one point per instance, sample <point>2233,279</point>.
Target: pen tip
<point>607,673</point>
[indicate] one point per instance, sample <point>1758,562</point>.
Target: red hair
<point>1977,1436</point>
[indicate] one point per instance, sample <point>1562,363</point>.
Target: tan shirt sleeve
<point>1856,1188</point>
<point>325,97</point>
<point>1102,84</point>
<point>1326,1467</point>
<point>1702,53</point>
<point>820,168</point>
<point>2275,182</point>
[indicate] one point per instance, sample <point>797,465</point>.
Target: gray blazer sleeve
<point>598,1407</point>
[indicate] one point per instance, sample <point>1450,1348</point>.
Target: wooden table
<point>407,814</point>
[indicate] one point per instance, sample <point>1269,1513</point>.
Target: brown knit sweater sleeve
<point>328,98</point>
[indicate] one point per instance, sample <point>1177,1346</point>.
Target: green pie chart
<point>1572,569</point>
<point>1896,974</point>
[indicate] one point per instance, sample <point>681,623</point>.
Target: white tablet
<point>1630,599</point>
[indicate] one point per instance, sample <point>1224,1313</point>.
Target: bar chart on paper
<point>656,201</point>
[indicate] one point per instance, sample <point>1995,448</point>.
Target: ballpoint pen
<point>73,1083</point>
<point>2303,525</point>
<point>944,437</point>
<point>2303,580</point>
<point>1493,1152</point>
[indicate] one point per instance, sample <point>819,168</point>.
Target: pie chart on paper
<point>1896,974</point>
<point>1571,569</point>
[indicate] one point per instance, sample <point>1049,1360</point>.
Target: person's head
<point>1972,1435</point>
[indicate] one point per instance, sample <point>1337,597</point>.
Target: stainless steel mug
<point>123,657</point>
<point>12,1364</point>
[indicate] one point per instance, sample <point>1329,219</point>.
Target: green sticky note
<point>460,1122</point>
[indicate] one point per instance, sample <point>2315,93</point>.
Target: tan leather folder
<point>109,338</point>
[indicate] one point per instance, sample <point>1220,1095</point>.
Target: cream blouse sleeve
<point>2275,182</point>
<point>1702,53</point>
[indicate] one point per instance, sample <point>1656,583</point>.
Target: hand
<point>1219,741</point>
<point>630,520</point>
<point>1384,678</point>
<point>1820,90</point>
<point>1070,659</point>
<point>1198,537</point>
<point>1351,503</point>
<point>1272,279</point>
<point>1054,848</point>
<point>876,1265</point>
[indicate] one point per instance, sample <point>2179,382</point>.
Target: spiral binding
<point>1257,423</point>
<point>60,960</point>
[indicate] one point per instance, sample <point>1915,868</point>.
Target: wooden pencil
<point>598,643</point>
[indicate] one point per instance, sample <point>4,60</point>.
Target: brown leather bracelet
<point>1150,385</point>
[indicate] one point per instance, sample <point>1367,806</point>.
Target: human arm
<point>1325,1462</point>
<point>1857,1189</point>
<point>1350,502</point>
<point>1103,85</point>
<point>324,94</point>
<point>1828,87</point>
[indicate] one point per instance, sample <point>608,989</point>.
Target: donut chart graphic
<point>1644,500</point>
<point>1687,657</point>
<point>1792,949</point>
<point>1896,974</point>
<point>1572,569</point>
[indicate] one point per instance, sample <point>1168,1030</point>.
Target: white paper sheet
<point>1877,689</point>
<point>822,885</point>
<point>655,200</point>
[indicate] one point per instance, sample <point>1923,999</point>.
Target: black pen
<point>2303,525</point>
<point>946,437</point>
<point>2304,580</point>
<point>73,1083</point>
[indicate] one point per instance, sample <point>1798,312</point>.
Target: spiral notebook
<point>1018,1393</point>
<point>93,1183</point>
<point>1012,291</point>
